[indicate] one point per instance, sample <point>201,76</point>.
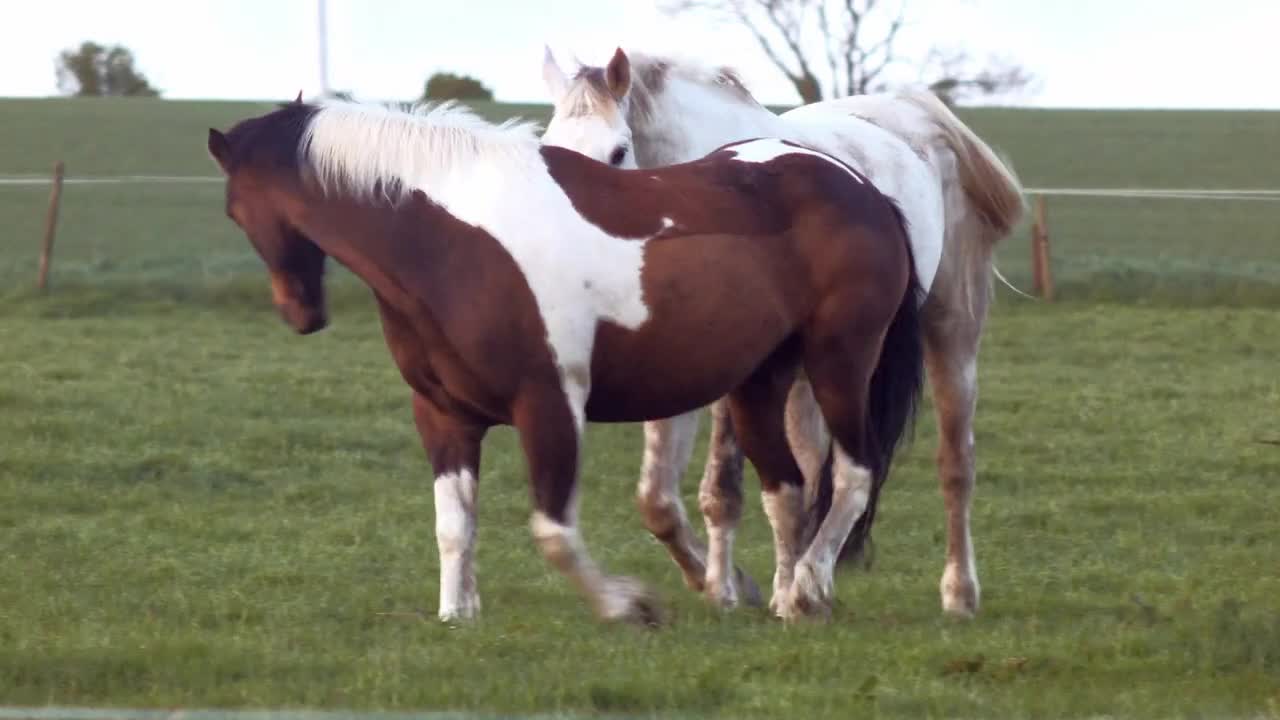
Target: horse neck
<point>687,121</point>
<point>361,236</point>
<point>367,234</point>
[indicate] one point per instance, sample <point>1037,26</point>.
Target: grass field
<point>199,508</point>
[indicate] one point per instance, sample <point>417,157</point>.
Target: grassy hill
<point>1083,148</point>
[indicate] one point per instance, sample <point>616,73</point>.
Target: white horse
<point>959,200</point>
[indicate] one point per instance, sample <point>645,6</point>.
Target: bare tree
<point>955,75</point>
<point>857,40</point>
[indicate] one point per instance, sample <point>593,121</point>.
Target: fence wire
<point>1131,244</point>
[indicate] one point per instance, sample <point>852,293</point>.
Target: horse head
<point>254,202</point>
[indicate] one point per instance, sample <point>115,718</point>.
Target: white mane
<point>355,146</point>
<point>720,78</point>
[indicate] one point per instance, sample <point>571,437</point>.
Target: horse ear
<point>618,74</point>
<point>557,82</point>
<point>298,100</point>
<point>220,149</point>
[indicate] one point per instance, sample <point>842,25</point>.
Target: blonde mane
<point>362,148</point>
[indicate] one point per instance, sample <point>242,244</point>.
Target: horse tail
<point>988,183</point>
<point>897,384</point>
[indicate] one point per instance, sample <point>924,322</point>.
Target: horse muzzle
<point>304,320</point>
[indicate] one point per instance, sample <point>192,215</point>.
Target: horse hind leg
<point>951,356</point>
<point>756,410</point>
<point>839,367</point>
<point>668,445</point>
<point>720,500</point>
<point>809,439</point>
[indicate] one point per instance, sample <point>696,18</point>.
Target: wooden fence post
<point>1041,272</point>
<point>50,226</point>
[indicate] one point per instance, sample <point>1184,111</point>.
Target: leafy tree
<point>94,70</point>
<point>448,86</point>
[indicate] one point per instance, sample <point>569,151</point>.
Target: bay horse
<point>531,286</point>
<point>959,199</point>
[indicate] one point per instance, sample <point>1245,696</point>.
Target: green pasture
<point>199,508</point>
<point>1133,250</point>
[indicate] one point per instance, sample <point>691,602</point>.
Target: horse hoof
<point>466,613</point>
<point>779,600</point>
<point>722,594</point>
<point>646,612</point>
<point>748,590</point>
<point>695,583</point>
<point>959,595</point>
<point>629,601</point>
<point>809,596</point>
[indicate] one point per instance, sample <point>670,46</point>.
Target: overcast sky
<point>1086,53</point>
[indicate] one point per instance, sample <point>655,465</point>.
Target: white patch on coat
<point>493,177</point>
<point>455,494</point>
<point>813,587</point>
<point>766,149</point>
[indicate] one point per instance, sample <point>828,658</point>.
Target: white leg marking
<point>613,597</point>
<point>456,538</point>
<point>959,585</point>
<point>720,586</point>
<point>784,510</point>
<point>720,499</point>
<point>668,447</point>
<point>956,598</point>
<point>813,588</point>
<point>721,511</point>
<point>806,434</point>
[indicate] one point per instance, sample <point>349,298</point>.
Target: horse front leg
<point>453,447</point>
<point>550,434</point>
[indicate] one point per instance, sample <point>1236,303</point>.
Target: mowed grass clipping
<point>202,509</point>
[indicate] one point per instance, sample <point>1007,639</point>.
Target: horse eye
<point>619,154</point>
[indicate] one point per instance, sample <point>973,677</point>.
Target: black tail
<point>896,386</point>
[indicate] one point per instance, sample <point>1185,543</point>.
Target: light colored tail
<point>989,183</point>
<point>991,186</point>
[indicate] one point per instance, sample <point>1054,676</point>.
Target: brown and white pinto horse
<point>532,286</point>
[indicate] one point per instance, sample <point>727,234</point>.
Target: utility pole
<point>324,49</point>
